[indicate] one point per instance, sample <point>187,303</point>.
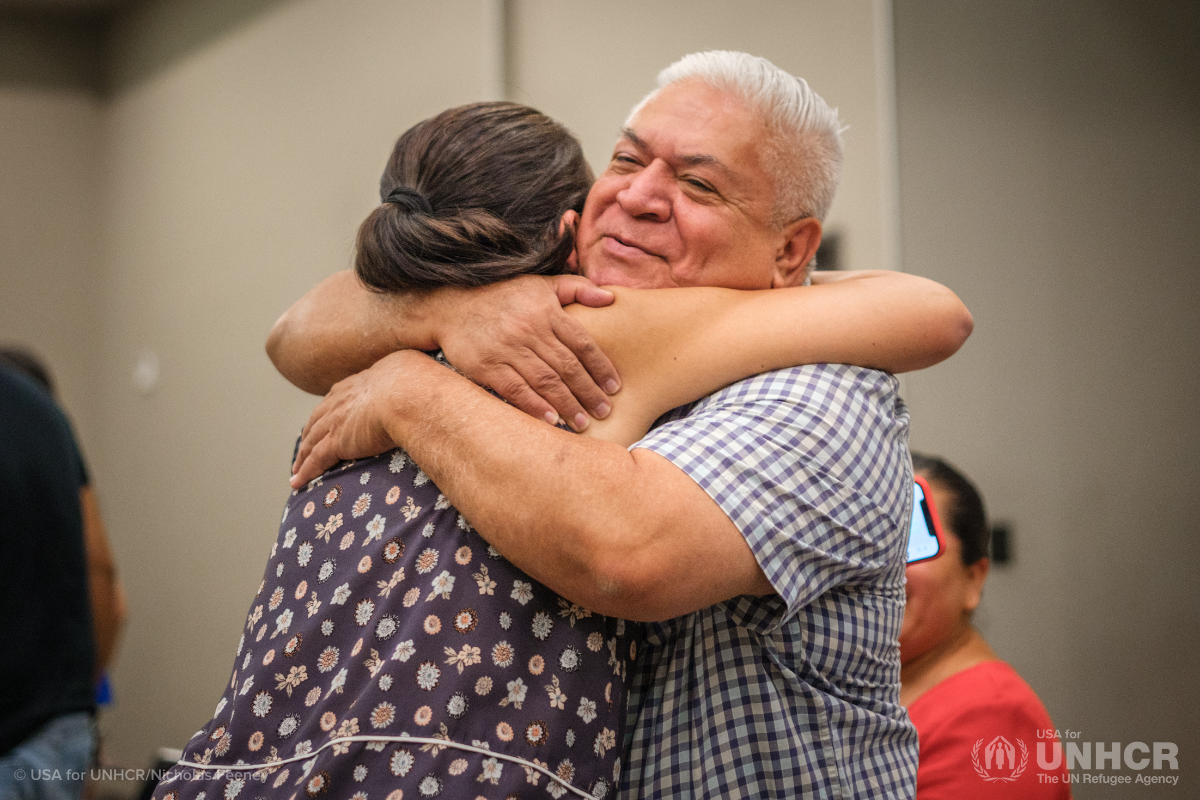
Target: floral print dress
<point>391,653</point>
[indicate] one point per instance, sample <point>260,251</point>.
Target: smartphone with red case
<point>925,539</point>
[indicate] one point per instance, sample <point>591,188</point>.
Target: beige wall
<point>49,223</point>
<point>1050,172</point>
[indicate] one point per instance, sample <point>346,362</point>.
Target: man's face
<point>685,200</point>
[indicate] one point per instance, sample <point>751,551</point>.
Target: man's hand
<point>351,421</point>
<point>515,338</point>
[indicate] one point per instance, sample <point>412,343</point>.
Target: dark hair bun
<point>497,178</point>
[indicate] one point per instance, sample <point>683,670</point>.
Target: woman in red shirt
<point>978,721</point>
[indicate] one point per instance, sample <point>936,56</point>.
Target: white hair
<point>804,151</point>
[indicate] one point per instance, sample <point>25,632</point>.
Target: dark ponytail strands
<point>473,196</point>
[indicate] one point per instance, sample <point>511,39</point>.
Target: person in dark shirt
<point>60,598</point>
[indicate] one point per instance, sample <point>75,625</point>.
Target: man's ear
<point>570,219</point>
<point>801,239</point>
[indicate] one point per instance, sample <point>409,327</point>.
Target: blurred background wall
<point>1050,173</point>
<point>174,173</point>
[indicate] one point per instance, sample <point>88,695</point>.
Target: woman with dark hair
<point>978,721</point>
<point>500,176</point>
<point>391,652</point>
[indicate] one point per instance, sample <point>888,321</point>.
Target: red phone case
<point>933,515</point>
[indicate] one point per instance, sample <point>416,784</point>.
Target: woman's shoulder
<point>988,695</point>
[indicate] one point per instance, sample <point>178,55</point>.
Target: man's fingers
<point>513,387</point>
<point>316,430</point>
<point>546,373</point>
<point>319,458</point>
<point>578,289</point>
<point>602,374</point>
<point>604,377</point>
<point>535,355</point>
<point>571,390</point>
<point>302,454</point>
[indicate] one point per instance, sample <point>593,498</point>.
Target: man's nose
<point>648,194</point>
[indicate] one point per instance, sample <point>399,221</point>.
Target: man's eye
<point>623,159</point>
<point>701,185</point>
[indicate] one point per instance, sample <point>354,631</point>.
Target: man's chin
<point>629,276</point>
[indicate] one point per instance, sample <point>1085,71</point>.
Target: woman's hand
<point>351,422</point>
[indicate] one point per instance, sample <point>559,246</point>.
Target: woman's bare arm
<point>673,346</point>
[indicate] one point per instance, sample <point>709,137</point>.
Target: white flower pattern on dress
<point>454,655</point>
<point>522,592</point>
<point>375,529</point>
<point>326,530</point>
<point>492,771</point>
<point>410,510</point>
<point>282,623</point>
<point>443,585</point>
<point>587,709</point>
<point>516,694</point>
<point>339,682</point>
<point>428,675</point>
<point>404,651</point>
<point>543,623</point>
<point>361,505</point>
<point>557,698</point>
<point>363,611</point>
<point>262,703</point>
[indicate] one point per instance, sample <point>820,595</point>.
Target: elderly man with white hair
<point>759,532</point>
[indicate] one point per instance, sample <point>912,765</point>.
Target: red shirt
<point>980,730</point>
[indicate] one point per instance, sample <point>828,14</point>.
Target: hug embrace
<point>672,563</point>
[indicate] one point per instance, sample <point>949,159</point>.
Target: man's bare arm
<point>609,528</point>
<point>513,337</point>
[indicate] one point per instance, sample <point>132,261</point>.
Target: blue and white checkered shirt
<point>795,694</point>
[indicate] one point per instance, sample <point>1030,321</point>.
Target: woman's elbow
<point>960,329</point>
<point>292,361</point>
<point>277,341</point>
<point>951,325</point>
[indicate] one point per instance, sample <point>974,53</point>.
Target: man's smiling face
<point>685,200</point>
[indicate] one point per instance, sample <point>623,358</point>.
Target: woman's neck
<point>963,650</point>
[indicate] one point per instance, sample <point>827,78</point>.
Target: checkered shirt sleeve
<point>795,694</point>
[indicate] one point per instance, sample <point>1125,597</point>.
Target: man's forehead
<point>696,124</point>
